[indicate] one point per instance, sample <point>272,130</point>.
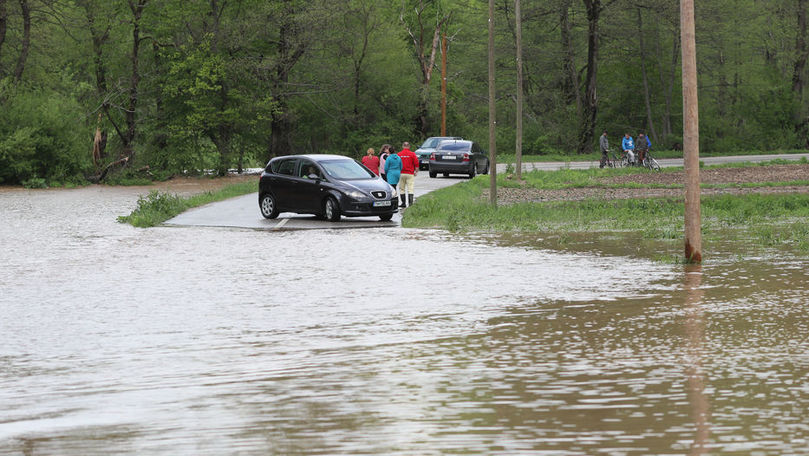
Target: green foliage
<point>157,207</point>
<point>213,76</point>
<point>39,135</point>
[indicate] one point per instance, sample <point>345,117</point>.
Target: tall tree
<point>25,47</point>
<point>425,40</point>
<point>587,123</point>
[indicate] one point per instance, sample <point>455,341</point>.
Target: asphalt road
<point>243,211</point>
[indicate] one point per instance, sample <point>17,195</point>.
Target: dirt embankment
<point>732,181</point>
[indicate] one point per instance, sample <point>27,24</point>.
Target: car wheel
<point>269,209</point>
<point>331,209</point>
<point>473,171</point>
<point>433,173</point>
<point>386,217</point>
<point>486,169</point>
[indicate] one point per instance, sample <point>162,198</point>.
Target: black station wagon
<point>328,186</point>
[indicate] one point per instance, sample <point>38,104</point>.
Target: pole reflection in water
<point>695,332</point>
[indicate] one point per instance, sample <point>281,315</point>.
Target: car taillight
<point>466,157</point>
<point>432,156</point>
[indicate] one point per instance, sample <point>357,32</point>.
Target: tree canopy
<point>182,86</point>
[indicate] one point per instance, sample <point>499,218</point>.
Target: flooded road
<point>177,340</point>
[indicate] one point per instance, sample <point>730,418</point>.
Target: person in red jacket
<point>410,167</point>
<point>371,161</point>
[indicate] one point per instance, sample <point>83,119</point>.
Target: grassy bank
<point>157,207</point>
<point>766,220</point>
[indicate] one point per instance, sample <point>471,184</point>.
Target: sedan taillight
<point>432,156</point>
<point>466,157</point>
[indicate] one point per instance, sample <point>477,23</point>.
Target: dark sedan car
<point>428,147</point>
<point>458,157</point>
<point>325,185</point>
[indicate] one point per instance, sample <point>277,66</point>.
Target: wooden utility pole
<point>492,112</point>
<point>444,83</point>
<point>693,235</point>
<point>518,24</point>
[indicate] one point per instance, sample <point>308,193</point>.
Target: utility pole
<point>693,234</point>
<point>444,83</point>
<point>492,113</point>
<point>518,24</point>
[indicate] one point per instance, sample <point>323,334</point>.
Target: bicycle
<point>649,162</point>
<point>608,161</point>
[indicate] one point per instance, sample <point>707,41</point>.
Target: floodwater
<point>118,340</point>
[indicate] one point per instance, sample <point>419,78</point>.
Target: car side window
<point>307,168</point>
<point>285,167</point>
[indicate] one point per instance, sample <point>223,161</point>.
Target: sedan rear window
<point>455,147</point>
<point>346,170</point>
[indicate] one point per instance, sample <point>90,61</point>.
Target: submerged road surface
<point>243,212</point>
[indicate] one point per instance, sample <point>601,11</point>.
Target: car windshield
<point>345,170</point>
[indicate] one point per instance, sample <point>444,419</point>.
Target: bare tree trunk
<point>801,51</point>
<point>3,26</point>
<point>518,145</point>
<point>667,128</point>
<point>288,55</point>
<point>426,63</point>
<point>98,37</point>
<point>128,139</point>
<point>646,94</point>
<point>799,73</point>
<point>25,8</point>
<point>590,106</point>
<point>571,83</point>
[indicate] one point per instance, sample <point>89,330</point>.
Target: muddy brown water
<point>118,340</point>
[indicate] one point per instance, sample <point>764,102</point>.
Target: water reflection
<point>695,329</point>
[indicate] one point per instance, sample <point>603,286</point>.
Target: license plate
<point>449,157</point>
<point>381,203</point>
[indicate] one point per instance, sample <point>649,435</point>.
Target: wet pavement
<point>243,212</point>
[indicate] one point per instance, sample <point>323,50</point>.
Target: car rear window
<point>456,146</point>
<point>346,170</point>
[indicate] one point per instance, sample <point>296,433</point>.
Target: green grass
<point>157,207</point>
<point>766,220</point>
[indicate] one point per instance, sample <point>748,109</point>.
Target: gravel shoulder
<point>735,181</point>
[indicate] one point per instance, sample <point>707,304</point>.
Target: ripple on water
<point>216,341</point>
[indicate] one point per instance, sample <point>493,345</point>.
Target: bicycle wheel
<point>654,165</point>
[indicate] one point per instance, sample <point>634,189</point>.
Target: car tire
<point>386,217</point>
<point>473,171</point>
<point>268,205</point>
<point>331,209</point>
<point>486,169</point>
<point>433,173</point>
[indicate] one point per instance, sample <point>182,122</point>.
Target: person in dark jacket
<point>642,145</point>
<point>604,145</point>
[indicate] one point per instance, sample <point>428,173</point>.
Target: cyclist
<point>643,145</point>
<point>604,144</point>
<point>628,145</point>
